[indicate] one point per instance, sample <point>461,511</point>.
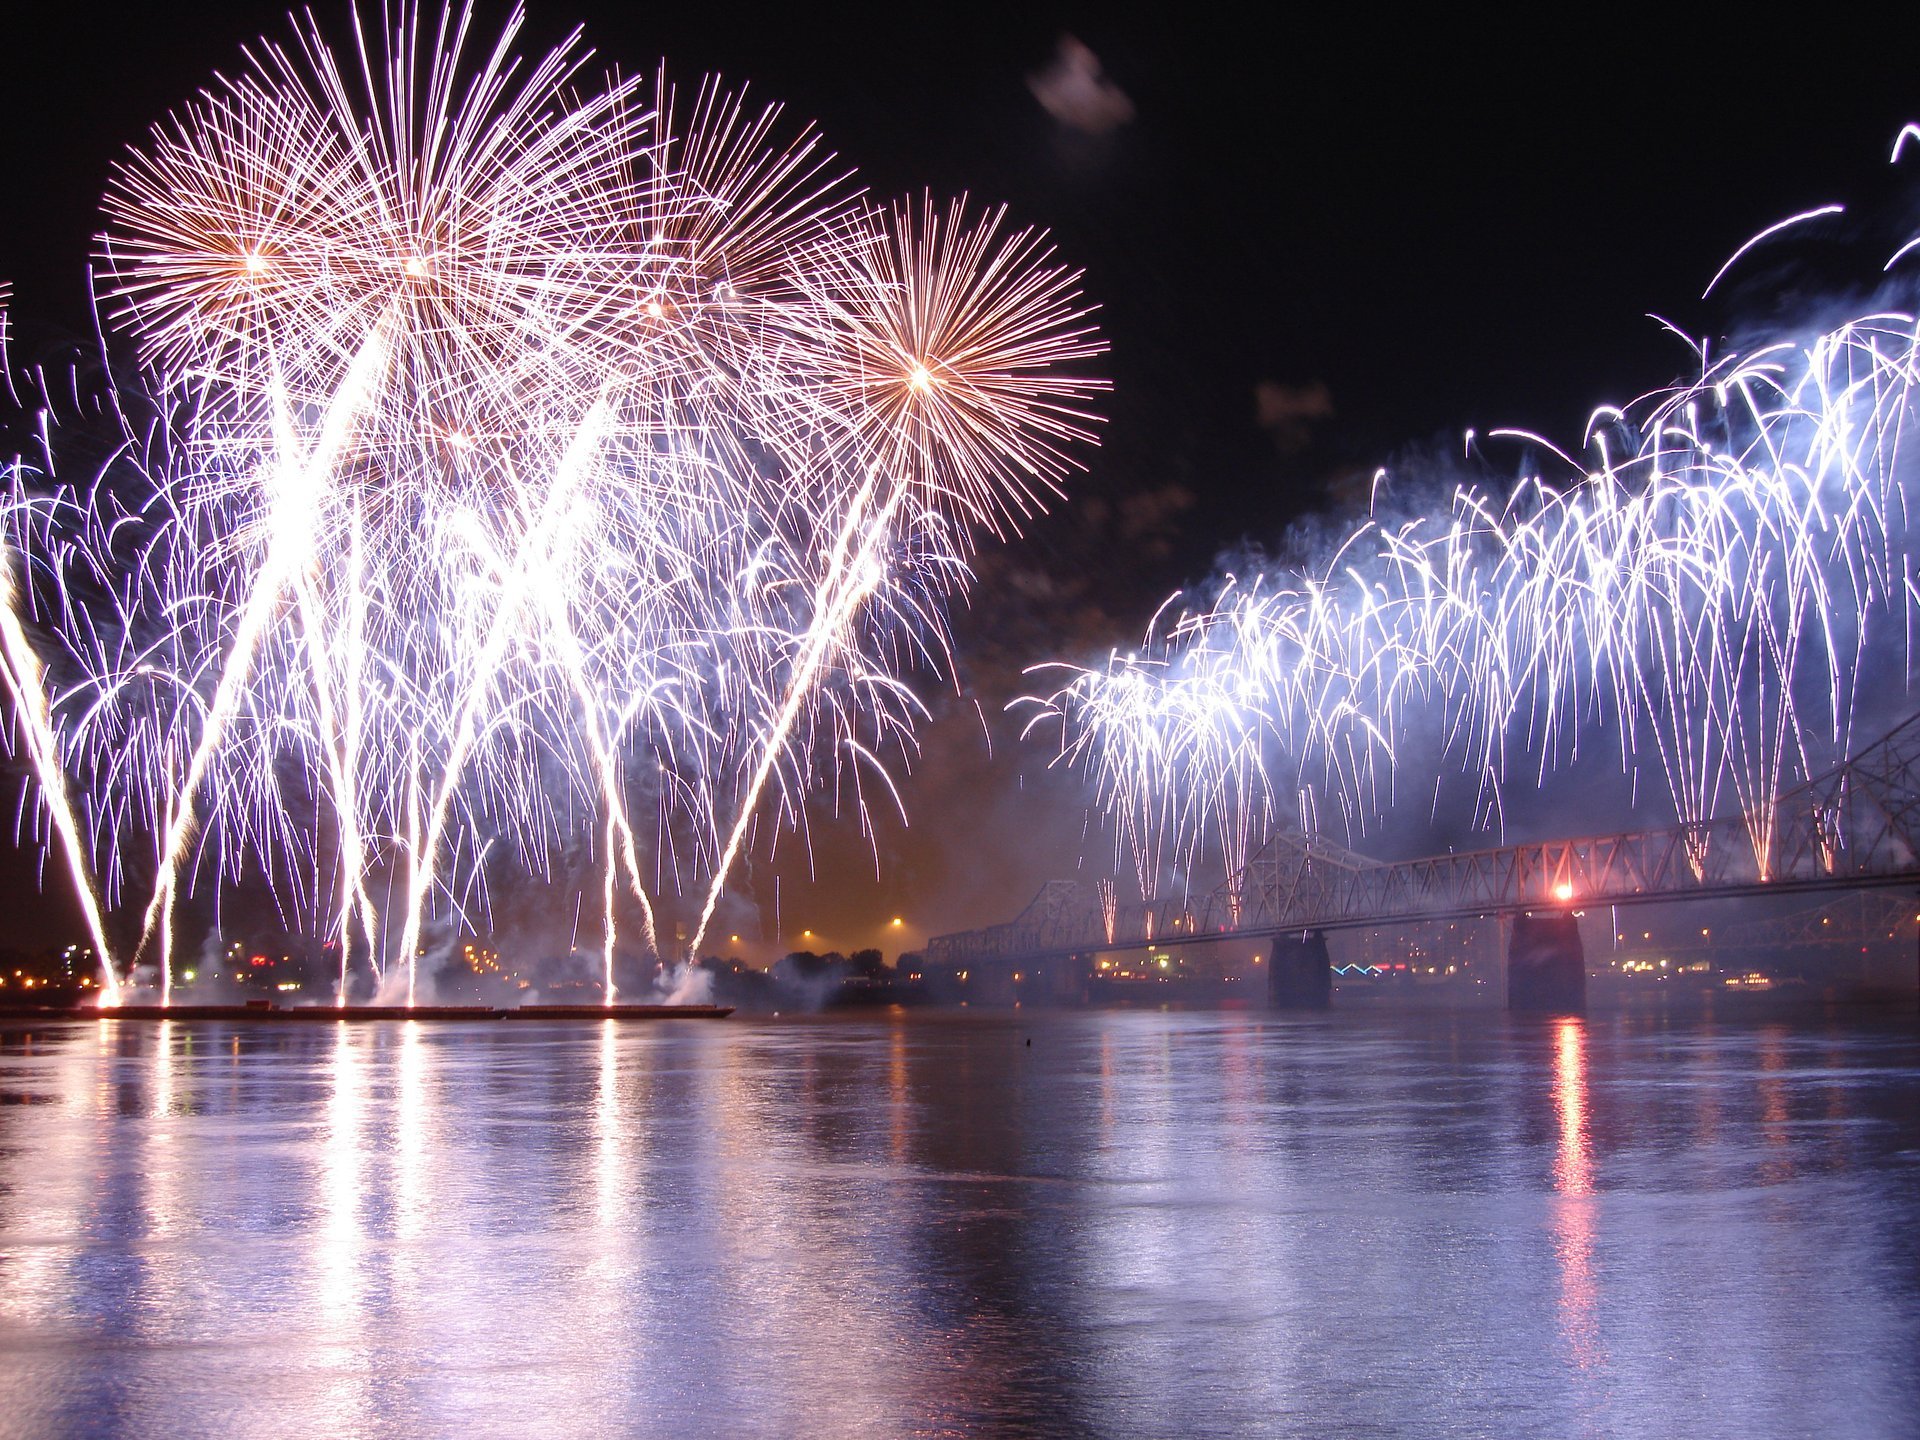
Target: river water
<point>1094,1223</point>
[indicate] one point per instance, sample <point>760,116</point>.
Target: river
<point>1109,1223</point>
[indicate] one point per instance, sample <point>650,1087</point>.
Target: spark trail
<point>25,677</point>
<point>523,465</point>
<point>1701,595</point>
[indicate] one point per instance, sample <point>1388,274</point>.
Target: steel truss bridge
<point>1860,917</point>
<point>1855,828</point>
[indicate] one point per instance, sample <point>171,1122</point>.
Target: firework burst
<point>1699,593</point>
<point>536,463</point>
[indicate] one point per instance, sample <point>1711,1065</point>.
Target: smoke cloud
<point>1077,93</point>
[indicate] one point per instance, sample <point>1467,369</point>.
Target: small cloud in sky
<point>1077,93</point>
<point>1289,412</point>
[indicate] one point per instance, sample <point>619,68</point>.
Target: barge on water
<point>260,1010</point>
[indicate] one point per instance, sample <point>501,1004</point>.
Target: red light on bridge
<point>1563,891</point>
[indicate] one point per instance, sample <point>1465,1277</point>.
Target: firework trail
<point>1700,592</point>
<point>524,461</point>
<point>25,679</point>
<point>24,676</point>
<point>939,360</point>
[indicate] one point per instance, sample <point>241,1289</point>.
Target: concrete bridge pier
<point>1546,965</point>
<point>1299,974</point>
<point>992,985</point>
<point>1067,980</point>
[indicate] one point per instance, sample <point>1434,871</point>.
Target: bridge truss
<point>1856,827</point>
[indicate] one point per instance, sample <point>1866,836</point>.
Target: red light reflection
<point>1574,1202</point>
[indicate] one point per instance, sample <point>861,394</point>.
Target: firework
<point>1699,595</point>
<point>531,463</point>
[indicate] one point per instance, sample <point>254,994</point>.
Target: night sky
<point>1320,244</point>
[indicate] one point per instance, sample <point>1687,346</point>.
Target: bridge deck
<point>1853,828</point>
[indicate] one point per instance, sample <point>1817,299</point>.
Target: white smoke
<point>684,984</point>
<point>1077,93</point>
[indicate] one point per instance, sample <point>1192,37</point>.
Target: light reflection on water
<point>1138,1224</point>
<point>1573,1206</point>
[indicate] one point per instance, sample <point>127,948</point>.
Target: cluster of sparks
<point>521,463</point>
<point>1704,594</point>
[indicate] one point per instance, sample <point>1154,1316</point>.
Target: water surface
<point>1096,1223</point>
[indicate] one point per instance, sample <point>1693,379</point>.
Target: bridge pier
<point>1067,980</point>
<point>1546,965</point>
<point>1299,974</point>
<point>992,985</point>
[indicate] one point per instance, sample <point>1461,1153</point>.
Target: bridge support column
<point>1299,974</point>
<point>1546,965</point>
<point>992,984</point>
<point>1067,979</point>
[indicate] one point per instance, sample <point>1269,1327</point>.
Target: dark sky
<point>1432,225</point>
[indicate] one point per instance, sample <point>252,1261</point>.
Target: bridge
<point>1857,827</point>
<point>1860,917</point>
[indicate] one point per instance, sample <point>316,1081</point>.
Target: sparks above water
<point>1703,594</point>
<point>515,463</point>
